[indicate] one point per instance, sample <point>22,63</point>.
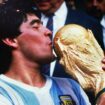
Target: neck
<point>26,72</point>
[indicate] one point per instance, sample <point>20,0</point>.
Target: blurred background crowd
<point>95,8</point>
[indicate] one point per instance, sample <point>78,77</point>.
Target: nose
<point>48,32</point>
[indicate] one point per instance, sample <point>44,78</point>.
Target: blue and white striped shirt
<point>61,91</point>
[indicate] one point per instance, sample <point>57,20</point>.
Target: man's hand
<point>101,100</point>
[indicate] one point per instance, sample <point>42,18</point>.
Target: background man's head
<point>48,6</point>
<point>100,4</point>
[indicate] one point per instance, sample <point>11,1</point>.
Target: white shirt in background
<point>59,19</point>
<point>103,28</point>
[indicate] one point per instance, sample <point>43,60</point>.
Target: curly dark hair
<point>12,14</point>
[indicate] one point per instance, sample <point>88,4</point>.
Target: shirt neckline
<point>45,88</point>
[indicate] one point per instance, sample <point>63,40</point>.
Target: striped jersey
<point>56,91</point>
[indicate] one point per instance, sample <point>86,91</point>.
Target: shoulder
<point>65,81</point>
<point>9,94</point>
<point>5,92</point>
<point>4,100</point>
<point>84,15</point>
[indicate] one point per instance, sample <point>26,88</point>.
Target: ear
<point>12,42</point>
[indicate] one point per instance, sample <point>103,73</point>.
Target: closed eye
<point>36,23</point>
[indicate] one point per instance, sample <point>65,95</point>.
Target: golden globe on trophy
<point>81,56</point>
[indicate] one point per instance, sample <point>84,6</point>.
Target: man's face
<point>100,4</point>
<point>34,41</point>
<point>48,6</point>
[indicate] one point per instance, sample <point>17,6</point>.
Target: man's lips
<point>50,43</point>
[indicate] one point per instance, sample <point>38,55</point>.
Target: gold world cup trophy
<point>81,56</point>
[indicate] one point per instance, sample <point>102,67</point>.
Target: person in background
<point>100,5</point>
<point>30,47</point>
<point>86,6</point>
<point>62,15</point>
